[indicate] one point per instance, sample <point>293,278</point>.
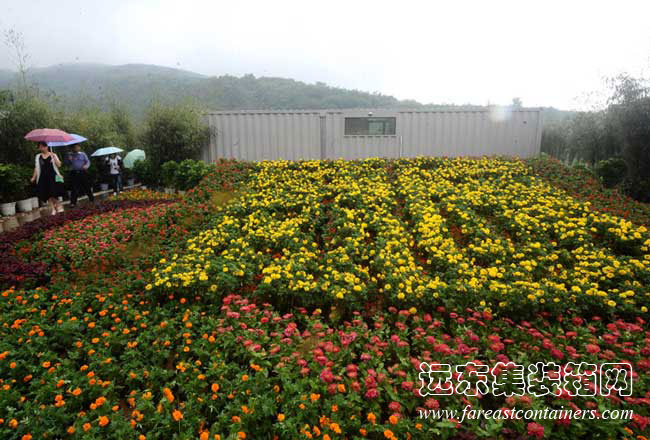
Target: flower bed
<point>143,194</point>
<point>584,186</point>
<point>478,233</point>
<point>303,305</point>
<point>15,269</point>
<point>79,243</point>
<point>121,366</point>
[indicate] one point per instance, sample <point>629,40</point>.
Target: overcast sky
<point>546,52</point>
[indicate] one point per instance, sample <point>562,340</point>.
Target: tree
<point>20,115</point>
<point>16,43</point>
<point>630,107</point>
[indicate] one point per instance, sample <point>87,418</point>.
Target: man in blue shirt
<point>79,164</point>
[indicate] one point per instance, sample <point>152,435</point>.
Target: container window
<point>370,126</point>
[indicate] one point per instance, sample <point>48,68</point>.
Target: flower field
<point>429,232</point>
<point>287,300</point>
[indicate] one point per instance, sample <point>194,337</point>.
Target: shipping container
<point>362,133</point>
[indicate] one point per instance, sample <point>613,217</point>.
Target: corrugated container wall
<point>321,134</point>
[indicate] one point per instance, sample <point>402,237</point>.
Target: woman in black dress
<point>46,171</point>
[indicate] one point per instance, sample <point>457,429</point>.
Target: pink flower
<point>535,430</point>
<point>432,404</point>
<point>557,354</point>
<point>372,393</point>
<point>592,348</point>
<point>327,376</point>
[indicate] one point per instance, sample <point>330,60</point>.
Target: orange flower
<point>86,426</point>
<point>393,419</point>
<point>215,387</point>
<point>341,388</point>
<point>363,432</point>
<point>388,434</point>
<point>372,418</point>
<point>177,415</point>
<point>241,435</point>
<point>26,437</point>
<point>335,427</point>
<point>335,408</point>
<point>244,378</point>
<point>280,417</point>
<point>76,391</point>
<point>205,435</point>
<point>236,419</point>
<point>46,364</point>
<point>168,394</point>
<point>71,430</point>
<point>314,397</point>
<point>13,423</point>
<point>103,421</point>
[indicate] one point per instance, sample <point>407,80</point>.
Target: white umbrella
<point>106,151</point>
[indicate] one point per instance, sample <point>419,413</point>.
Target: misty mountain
<point>136,85</point>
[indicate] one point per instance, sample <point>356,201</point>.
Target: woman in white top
<point>46,174</point>
<point>114,163</point>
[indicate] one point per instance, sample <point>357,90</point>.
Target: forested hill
<point>135,85</point>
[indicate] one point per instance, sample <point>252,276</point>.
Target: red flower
<point>535,430</point>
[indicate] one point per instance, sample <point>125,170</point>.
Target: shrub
<point>175,132</point>
<point>189,174</point>
<point>15,183</point>
<point>611,171</point>
<point>18,118</point>
<point>146,173</point>
<point>168,172</point>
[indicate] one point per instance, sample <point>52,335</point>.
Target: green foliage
<point>168,172</point>
<point>612,171</point>
<point>102,128</point>
<point>184,175</point>
<point>622,129</point>
<point>18,116</point>
<point>146,173</point>
<point>630,106</point>
<point>14,182</point>
<point>174,132</point>
<point>189,174</point>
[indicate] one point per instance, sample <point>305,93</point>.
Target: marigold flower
<point>280,417</point>
<point>177,415</point>
<point>103,421</point>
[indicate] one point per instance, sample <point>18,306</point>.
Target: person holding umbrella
<point>79,164</point>
<point>48,178</point>
<point>114,164</point>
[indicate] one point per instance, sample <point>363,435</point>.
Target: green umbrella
<point>133,156</point>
